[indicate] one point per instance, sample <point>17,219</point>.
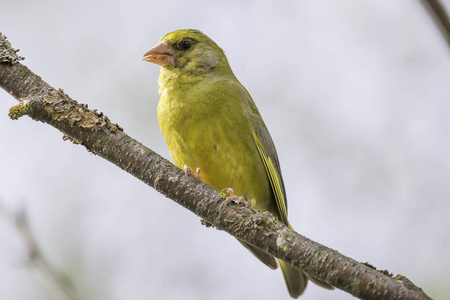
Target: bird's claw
<point>232,198</point>
<point>188,171</point>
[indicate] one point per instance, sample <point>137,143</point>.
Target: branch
<point>95,131</point>
<point>440,16</point>
<point>37,258</point>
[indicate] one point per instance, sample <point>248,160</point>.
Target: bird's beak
<point>162,54</point>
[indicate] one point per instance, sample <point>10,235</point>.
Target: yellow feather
<point>274,179</point>
<point>209,121</point>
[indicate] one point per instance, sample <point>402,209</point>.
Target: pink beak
<point>162,54</point>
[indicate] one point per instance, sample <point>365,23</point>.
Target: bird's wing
<point>268,154</point>
<point>263,142</point>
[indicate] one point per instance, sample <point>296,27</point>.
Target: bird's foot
<point>232,198</point>
<point>188,171</point>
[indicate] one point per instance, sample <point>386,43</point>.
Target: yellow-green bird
<point>210,123</point>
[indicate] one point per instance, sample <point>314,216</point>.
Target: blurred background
<point>354,93</point>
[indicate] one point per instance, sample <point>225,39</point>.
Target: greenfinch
<point>210,123</point>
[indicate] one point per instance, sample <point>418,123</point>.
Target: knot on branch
<point>7,53</point>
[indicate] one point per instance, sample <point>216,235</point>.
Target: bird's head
<point>187,51</point>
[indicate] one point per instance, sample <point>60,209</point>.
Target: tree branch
<point>440,16</point>
<point>95,131</point>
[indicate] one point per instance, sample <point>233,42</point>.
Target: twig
<point>37,258</point>
<point>440,16</point>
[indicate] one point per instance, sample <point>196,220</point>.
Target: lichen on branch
<point>7,53</point>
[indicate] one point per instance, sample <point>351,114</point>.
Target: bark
<point>99,135</point>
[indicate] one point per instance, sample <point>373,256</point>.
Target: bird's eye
<point>185,44</point>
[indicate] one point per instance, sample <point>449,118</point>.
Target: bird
<point>211,124</point>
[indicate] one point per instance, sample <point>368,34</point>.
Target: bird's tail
<point>296,280</point>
